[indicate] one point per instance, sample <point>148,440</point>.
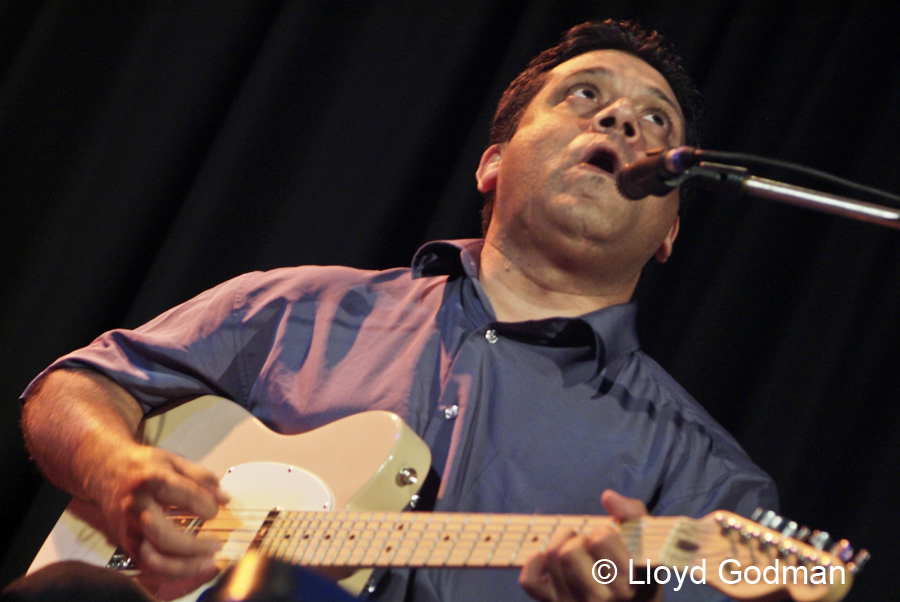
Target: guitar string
<point>323,527</point>
<point>435,547</point>
<point>387,521</point>
<point>306,548</point>
<point>390,524</point>
<point>341,521</point>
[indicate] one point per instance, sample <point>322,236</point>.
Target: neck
<point>521,287</point>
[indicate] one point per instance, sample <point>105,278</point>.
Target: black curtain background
<point>150,149</point>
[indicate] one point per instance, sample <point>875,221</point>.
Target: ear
<point>665,249</point>
<point>486,174</point>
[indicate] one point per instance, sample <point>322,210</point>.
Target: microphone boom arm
<point>737,180</point>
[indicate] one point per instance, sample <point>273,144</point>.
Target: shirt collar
<point>452,258</point>
<point>614,327</point>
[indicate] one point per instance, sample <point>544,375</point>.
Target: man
<point>514,358</point>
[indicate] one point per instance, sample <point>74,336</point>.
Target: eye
<point>658,118</point>
<point>585,92</point>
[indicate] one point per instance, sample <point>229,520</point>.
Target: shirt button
<point>491,336</point>
<point>451,412</point>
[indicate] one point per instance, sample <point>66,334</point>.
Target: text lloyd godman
<point>730,573</point>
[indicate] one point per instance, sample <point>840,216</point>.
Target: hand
<point>80,428</point>
<point>563,572</point>
<point>136,489</point>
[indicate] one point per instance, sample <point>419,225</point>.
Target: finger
<point>561,544</point>
<point>169,488</point>
<point>570,567</point>
<point>536,576</point>
<point>574,566</point>
<point>160,547</point>
<point>152,560</point>
<point>606,542</point>
<point>535,579</point>
<point>620,507</point>
<point>202,476</point>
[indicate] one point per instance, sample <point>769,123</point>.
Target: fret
<point>461,547</point>
<point>488,542</point>
<point>280,538</point>
<point>316,536</point>
<point>517,528</point>
<point>535,539</point>
<point>291,526</point>
<point>377,540</point>
<point>406,536</point>
<point>414,546</point>
<point>425,543</point>
<point>396,535</point>
<point>504,554</point>
<point>302,537</point>
<point>403,555</point>
<point>336,535</point>
<point>360,538</point>
<point>449,532</point>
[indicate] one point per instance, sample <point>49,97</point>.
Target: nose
<point>619,115</point>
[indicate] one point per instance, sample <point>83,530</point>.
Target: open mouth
<point>604,160</point>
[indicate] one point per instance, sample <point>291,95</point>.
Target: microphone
<point>654,173</point>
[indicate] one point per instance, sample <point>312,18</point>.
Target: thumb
<point>620,507</point>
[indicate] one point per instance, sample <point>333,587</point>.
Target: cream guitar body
<point>368,461</point>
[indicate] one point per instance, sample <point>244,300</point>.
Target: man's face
<point>555,179</point>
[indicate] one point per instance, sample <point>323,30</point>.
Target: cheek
<point>542,141</point>
<point>660,220</point>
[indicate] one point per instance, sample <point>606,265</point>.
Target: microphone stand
<point>737,180</point>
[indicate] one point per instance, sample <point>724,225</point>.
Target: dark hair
<point>627,36</point>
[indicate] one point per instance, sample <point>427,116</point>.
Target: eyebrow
<point>608,73</point>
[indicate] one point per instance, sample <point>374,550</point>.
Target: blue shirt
<point>537,416</point>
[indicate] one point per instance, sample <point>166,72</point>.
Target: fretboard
<point>441,539</point>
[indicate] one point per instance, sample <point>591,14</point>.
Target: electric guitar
<point>329,498</point>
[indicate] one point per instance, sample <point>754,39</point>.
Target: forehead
<point>622,68</point>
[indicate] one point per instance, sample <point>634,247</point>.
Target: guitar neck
<point>722,541</point>
<point>436,539</point>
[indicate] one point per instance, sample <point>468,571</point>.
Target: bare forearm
<point>80,429</point>
<point>74,423</point>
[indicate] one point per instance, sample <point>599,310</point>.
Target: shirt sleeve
<point>189,350</point>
